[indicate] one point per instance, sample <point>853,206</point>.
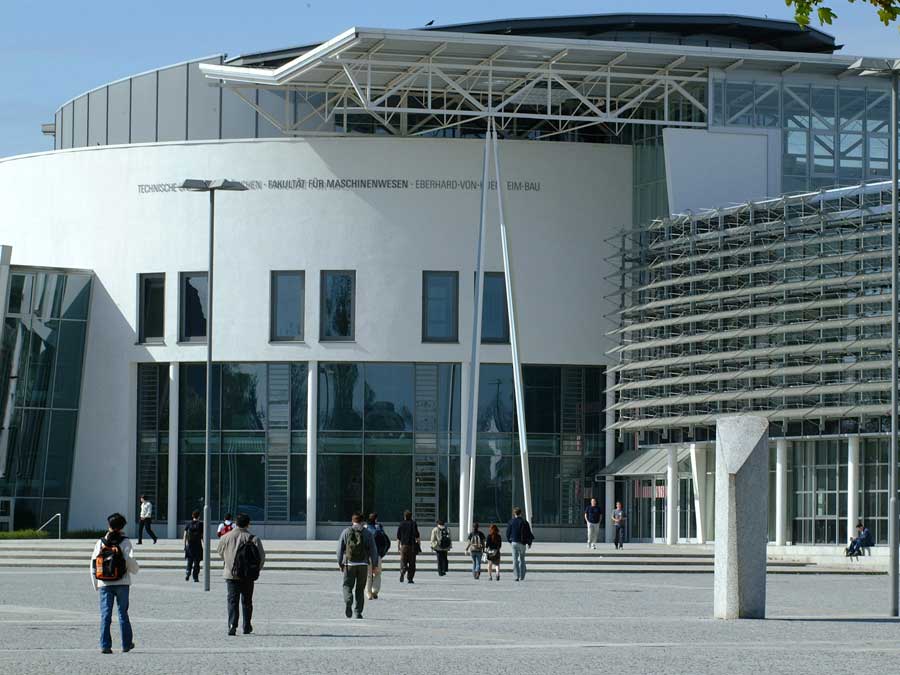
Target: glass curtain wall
<point>41,360</point>
<point>153,437</point>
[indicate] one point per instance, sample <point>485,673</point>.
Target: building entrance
<point>647,521</point>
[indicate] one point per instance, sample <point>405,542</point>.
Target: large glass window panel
<point>739,104</point>
<point>851,156</point>
<point>389,396</point>
<point>493,488</point>
<point>440,306</point>
<point>299,381</point>
<point>191,473</point>
<point>192,392</point>
<point>823,153</point>
<point>48,295</point>
<point>20,286</point>
<point>77,297</point>
<point>29,435</point>
<point>244,396</point>
<point>494,317</point>
<point>878,156</point>
<point>496,398</point>
<point>851,109</point>
<point>41,357</point>
<point>878,107</point>
<point>243,486</point>
<point>287,306</point>
<point>768,105</point>
<point>823,108</point>
<point>448,397</point>
<point>298,488</point>
<point>194,297</point>
<point>69,358</point>
<point>387,486</point>
<point>544,473</point>
<point>337,307</point>
<point>542,399</point>
<point>796,107</point>
<point>388,443</point>
<point>60,451</point>
<point>340,396</point>
<point>339,481</point>
<point>152,308</point>
<point>796,151</point>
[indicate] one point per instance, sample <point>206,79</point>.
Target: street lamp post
<point>869,67</point>
<point>210,186</point>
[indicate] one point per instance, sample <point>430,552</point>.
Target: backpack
<point>226,528</point>
<point>110,565</point>
<point>246,561</point>
<point>445,541</point>
<point>382,541</point>
<point>526,534</point>
<point>194,531</point>
<point>356,546</point>
<point>476,542</point>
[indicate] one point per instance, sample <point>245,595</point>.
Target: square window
<point>287,306</point>
<point>194,310</point>
<point>440,306</point>
<point>151,318</point>
<point>337,308</point>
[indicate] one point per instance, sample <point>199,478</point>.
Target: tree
<point>888,10</point>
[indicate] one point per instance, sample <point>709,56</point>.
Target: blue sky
<point>57,49</point>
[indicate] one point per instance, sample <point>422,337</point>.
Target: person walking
<point>244,557</point>
<point>193,546</point>
<point>409,545</point>
<point>441,543</point>
<point>226,526</point>
<point>475,548</point>
<point>618,518</point>
<point>382,545</point>
<point>112,564</point>
<point>146,520</point>
<point>492,545</point>
<point>592,515</point>
<point>520,538</point>
<point>356,555</point>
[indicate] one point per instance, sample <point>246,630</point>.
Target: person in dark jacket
<point>492,545</point>
<point>193,546</point>
<point>518,534</point>
<point>356,554</point>
<point>408,542</point>
<point>441,545</point>
<point>475,548</point>
<point>863,538</point>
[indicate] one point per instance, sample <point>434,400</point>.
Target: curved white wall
<point>84,209</point>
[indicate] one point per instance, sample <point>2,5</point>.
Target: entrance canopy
<point>643,462</point>
<point>446,78</point>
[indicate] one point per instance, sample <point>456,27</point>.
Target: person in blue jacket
<point>863,538</point>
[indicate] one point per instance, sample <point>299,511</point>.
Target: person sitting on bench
<point>863,538</point>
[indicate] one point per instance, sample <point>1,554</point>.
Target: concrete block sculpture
<point>742,503</point>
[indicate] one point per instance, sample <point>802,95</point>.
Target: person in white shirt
<point>225,526</point>
<point>146,520</point>
<point>111,577</point>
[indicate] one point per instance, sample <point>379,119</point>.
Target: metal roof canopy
<point>457,77</point>
<point>643,462</point>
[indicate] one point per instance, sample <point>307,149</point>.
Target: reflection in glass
<point>496,398</point>
<point>152,307</point>
<point>287,305</point>
<point>339,491</point>
<point>194,296</point>
<point>337,310</point>
<point>440,300</point>
<point>244,396</point>
<point>494,317</point>
<point>389,397</point>
<point>388,485</point>
<point>340,396</point>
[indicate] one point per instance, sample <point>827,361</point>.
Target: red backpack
<point>110,565</point>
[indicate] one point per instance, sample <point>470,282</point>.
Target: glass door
<point>687,523</point>
<point>640,520</point>
<point>659,510</point>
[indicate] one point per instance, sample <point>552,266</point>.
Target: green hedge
<point>24,534</point>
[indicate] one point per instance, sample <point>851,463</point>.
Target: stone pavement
<point>551,623</point>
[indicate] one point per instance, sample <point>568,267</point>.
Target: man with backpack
<point>441,543</point>
<point>193,546</point>
<point>356,552</point>
<point>244,557</point>
<point>112,564</point>
<point>520,537</point>
<point>382,545</point>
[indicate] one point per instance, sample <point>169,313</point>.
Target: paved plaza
<point>551,623</point>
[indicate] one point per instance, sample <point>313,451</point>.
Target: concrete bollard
<point>742,506</point>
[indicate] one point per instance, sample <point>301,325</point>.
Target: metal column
<point>610,501</point>
<point>852,486</point>
<point>207,482</point>
<point>312,429</point>
<point>892,467</point>
<point>174,452</point>
<point>780,491</point>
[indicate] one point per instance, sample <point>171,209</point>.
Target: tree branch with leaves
<point>888,10</point>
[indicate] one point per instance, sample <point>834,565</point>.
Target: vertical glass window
<point>286,312</point>
<point>494,317</point>
<point>152,307</point>
<point>194,296</point>
<point>440,306</point>
<point>337,307</point>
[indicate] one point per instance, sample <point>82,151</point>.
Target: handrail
<point>59,525</point>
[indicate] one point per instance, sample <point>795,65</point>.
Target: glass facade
<point>41,359</point>
<point>337,308</point>
<point>287,306</point>
<point>494,315</point>
<point>194,296</point>
<point>153,437</point>
<point>440,306</point>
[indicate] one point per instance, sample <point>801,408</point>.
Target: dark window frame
<point>273,315</point>
<point>322,336</point>
<point>182,277</point>
<point>454,338</point>
<point>142,305</point>
<point>501,340</point>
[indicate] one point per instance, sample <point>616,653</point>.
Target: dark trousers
<point>620,535</point>
<point>145,523</point>
<point>407,561</point>
<point>243,590</point>
<point>443,565</point>
<point>192,563</point>
<point>355,585</point>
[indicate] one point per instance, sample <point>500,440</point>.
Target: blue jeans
<point>518,552</point>
<point>119,594</point>
<point>476,562</point>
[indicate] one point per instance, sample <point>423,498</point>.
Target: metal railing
<point>58,524</point>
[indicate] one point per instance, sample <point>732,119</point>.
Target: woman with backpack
<point>492,551</point>
<point>475,548</point>
<point>441,543</point>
